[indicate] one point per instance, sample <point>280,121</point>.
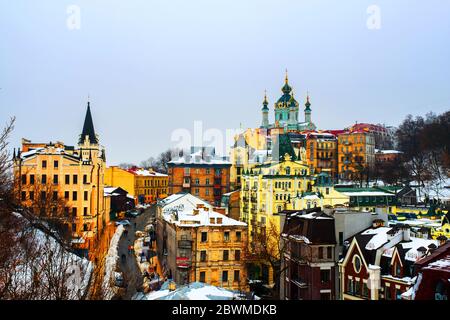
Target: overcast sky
<point>151,67</point>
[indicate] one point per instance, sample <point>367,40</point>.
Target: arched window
<point>441,291</point>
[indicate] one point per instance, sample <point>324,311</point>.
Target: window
<point>55,195</point>
<point>204,237</point>
<point>398,294</point>
<point>55,164</point>
<point>24,179</point>
<point>74,227</point>
<point>66,195</point>
<point>218,172</point>
<point>238,236</point>
<point>207,171</point>
<point>67,179</point>
<point>75,179</point>
<point>197,191</point>
<point>387,293</point>
<point>321,253</point>
<point>85,211</point>
<point>85,196</point>
<point>207,192</point>
<point>202,276</point>
<point>207,182</point>
<point>398,270</point>
<point>197,181</point>
<point>43,195</point>
<point>203,256</point>
<point>187,171</point>
<point>350,286</point>
<point>226,254</point>
<point>325,296</point>
<point>31,178</point>
<point>55,179</point>
<point>24,196</point>
<point>357,287</point>
<point>44,164</point>
<point>325,276</point>
<point>329,252</point>
<point>44,179</point>
<point>31,195</point>
<point>357,264</point>
<point>74,212</point>
<point>85,179</point>
<point>226,236</point>
<point>74,196</point>
<point>237,276</point>
<point>237,255</point>
<point>225,276</point>
<point>365,290</point>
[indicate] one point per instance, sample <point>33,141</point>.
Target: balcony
<point>183,262</point>
<point>88,218</point>
<point>186,184</point>
<point>299,282</point>
<point>184,244</point>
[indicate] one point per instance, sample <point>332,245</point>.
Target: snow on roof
<point>443,264</point>
<point>379,237</point>
<point>311,197</point>
<point>147,173</point>
<point>193,291</point>
<point>412,254</point>
<point>365,193</point>
<point>179,209</point>
<point>387,151</point>
<point>202,218</point>
<point>198,157</point>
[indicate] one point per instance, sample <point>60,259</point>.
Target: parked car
<point>119,282</point>
<point>123,223</point>
<point>131,214</point>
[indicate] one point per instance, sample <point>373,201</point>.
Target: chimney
<point>328,210</point>
<point>195,212</point>
<point>421,252</point>
<point>442,240</point>
<point>377,223</point>
<point>406,233</point>
<point>200,205</point>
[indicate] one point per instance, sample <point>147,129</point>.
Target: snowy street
<point>131,273</point>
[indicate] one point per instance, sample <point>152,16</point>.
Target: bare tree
<point>268,248</point>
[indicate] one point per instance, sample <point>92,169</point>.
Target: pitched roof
<point>88,128</point>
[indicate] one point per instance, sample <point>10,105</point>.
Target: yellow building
<point>356,153</point>
<point>267,190</point>
<point>65,184</point>
<point>197,243</point>
<point>248,146</point>
<point>146,186</point>
<point>118,177</point>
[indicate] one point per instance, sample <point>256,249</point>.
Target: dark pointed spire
<point>307,104</point>
<point>88,128</point>
<point>265,102</point>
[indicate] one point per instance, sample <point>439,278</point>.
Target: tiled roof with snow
<point>193,291</point>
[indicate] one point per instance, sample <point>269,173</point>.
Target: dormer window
<point>398,270</point>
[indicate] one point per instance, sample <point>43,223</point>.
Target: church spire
<point>286,88</point>
<point>88,128</point>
